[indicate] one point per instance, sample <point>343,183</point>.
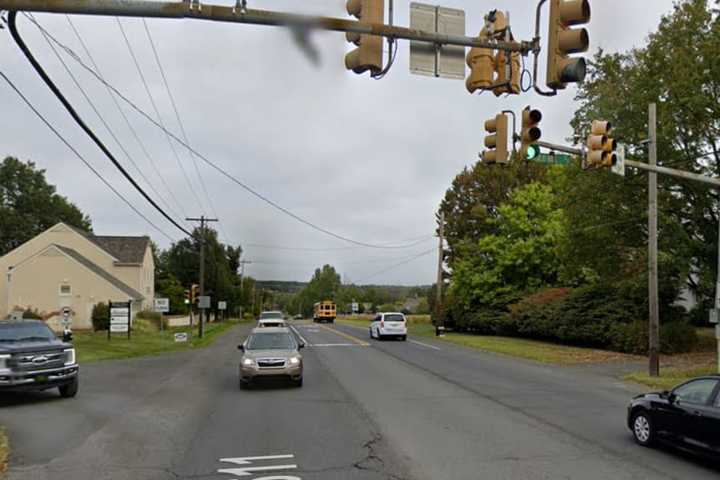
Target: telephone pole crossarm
<point>221,13</point>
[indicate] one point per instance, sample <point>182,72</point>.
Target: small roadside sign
<point>619,167</point>
<point>204,301</point>
<point>222,305</point>
<point>355,307</point>
<point>66,317</point>
<point>181,337</point>
<point>119,320</point>
<point>713,315</point>
<point>162,305</point>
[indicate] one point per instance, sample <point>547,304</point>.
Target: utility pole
<point>654,317</point>
<point>438,289</point>
<point>202,221</point>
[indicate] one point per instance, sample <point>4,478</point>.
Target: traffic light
<point>530,134</point>
<point>194,293</point>
<point>482,67</point>
<point>483,62</point>
<point>501,69</point>
<point>563,41</point>
<point>497,142</point>
<point>369,54</point>
<point>601,147</point>
<point>187,297</point>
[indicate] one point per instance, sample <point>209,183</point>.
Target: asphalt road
<point>368,410</point>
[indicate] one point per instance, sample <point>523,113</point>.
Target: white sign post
<point>162,305</point>
<point>119,318</point>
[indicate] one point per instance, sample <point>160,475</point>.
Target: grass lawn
<point>146,340</point>
<point>544,352</point>
<point>4,451</point>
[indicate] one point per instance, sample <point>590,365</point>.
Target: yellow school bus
<point>324,311</point>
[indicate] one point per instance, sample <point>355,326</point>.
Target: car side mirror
<point>241,348</point>
<point>67,336</point>
<point>672,398</point>
<point>301,346</point>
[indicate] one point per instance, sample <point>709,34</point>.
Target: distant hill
<point>280,285</point>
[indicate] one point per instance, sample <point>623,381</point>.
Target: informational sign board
<point>162,305</point>
<point>222,305</point>
<point>355,307</point>
<point>120,313</point>
<point>447,61</point>
<point>181,337</point>
<point>714,315</point>
<point>204,301</point>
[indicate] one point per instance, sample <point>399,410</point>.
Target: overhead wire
<point>157,111</point>
<point>100,116</point>
<point>213,165</point>
<point>83,159</point>
<point>399,264</point>
<point>134,133</point>
<point>210,203</point>
<point>12,17</point>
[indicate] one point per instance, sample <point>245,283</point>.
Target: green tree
<point>29,205</point>
<point>520,256</point>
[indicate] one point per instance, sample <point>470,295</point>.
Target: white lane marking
<point>335,345</point>
<point>247,471</point>
<point>424,344</point>
<point>302,339</point>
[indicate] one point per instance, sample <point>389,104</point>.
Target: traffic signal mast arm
<point>222,13</point>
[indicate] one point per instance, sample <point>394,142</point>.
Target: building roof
<point>99,271</point>
<point>125,249</point>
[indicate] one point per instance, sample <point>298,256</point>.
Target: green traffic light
<point>532,152</point>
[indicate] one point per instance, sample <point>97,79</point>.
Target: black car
<point>688,416</point>
<point>32,358</point>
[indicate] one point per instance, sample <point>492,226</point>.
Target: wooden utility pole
<point>654,315</point>
<point>203,239</point>
<point>438,289</point>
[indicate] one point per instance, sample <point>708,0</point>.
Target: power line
<point>392,267</point>
<point>94,108</point>
<point>77,154</point>
<point>229,176</point>
<point>41,72</point>
<point>182,127</point>
<point>125,118</point>
<point>157,112</point>
<point>329,249</point>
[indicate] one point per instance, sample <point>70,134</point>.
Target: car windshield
<point>271,341</point>
<point>394,318</point>
<point>25,332</point>
<point>271,315</point>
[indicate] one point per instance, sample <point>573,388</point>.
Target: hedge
<point>606,317</point>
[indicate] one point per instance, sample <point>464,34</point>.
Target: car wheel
<point>371,335</point>
<point>299,382</point>
<point>378,335</point>
<point>69,390</point>
<point>643,429</point>
<point>403,337</point>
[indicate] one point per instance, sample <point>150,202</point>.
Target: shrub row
<point>606,317</point>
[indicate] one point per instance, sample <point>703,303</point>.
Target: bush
<point>153,318</point>
<point>31,314</point>
<point>100,317</point>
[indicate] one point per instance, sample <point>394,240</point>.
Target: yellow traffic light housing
<point>194,293</point>
<point>511,84</point>
<point>601,147</point>
<point>497,142</point>
<point>187,297</point>
<point>482,67</point>
<point>490,70</point>
<point>369,54</point>
<point>564,41</point>
<point>530,134</point>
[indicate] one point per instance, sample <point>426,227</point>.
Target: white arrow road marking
<point>247,471</point>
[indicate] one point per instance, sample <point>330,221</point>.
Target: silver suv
<point>271,354</point>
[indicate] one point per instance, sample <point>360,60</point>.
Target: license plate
<point>41,378</point>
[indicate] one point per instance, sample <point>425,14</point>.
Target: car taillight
<point>382,324</point>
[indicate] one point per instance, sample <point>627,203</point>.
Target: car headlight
<point>69,356</point>
<point>3,362</point>
<point>294,360</point>
<point>248,362</point>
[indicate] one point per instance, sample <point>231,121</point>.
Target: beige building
<point>66,267</point>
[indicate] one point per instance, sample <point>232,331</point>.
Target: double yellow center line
<point>345,335</point>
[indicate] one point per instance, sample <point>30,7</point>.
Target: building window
<point>65,289</point>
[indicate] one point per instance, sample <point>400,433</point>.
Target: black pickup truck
<point>32,358</point>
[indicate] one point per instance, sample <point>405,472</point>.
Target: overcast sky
<point>369,160</point>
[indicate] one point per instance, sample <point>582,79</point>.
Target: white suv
<point>386,325</point>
